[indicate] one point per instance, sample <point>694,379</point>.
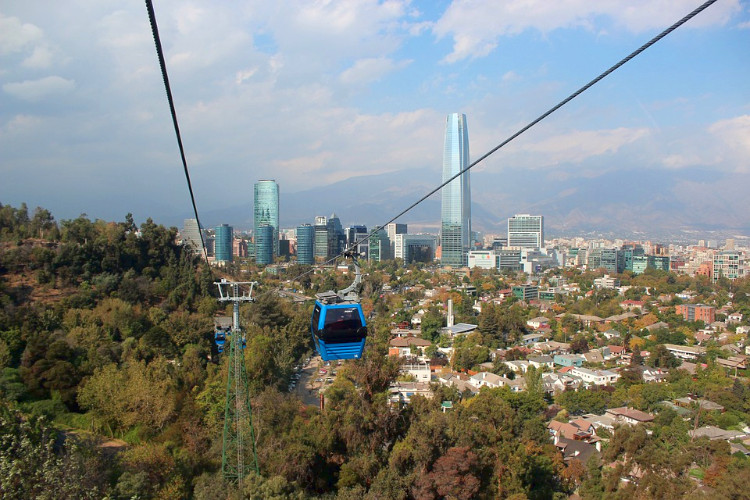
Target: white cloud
<point>510,76</point>
<point>35,90</point>
<point>734,136</point>
<point>15,36</point>
<point>369,70</point>
<point>681,160</point>
<point>245,74</point>
<point>477,26</point>
<point>20,124</point>
<point>40,58</point>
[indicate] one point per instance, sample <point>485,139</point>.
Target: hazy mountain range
<point>645,202</point>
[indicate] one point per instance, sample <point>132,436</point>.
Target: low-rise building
<point>538,322</point>
<point>631,416</point>
<point>686,352</point>
<point>595,377</point>
<point>420,371</point>
<point>401,392</point>
<point>569,360</point>
<point>518,366</point>
<point>541,361</point>
<point>697,312</point>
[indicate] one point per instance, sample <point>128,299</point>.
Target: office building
<point>320,245</point>
<point>191,236</point>
<point>508,259</point>
<point>525,292</point>
<point>526,231</point>
<point>728,264</point>
<point>305,244</point>
<point>336,236</point>
<point>414,247</point>
<point>264,244</point>
<point>356,240</point>
<point>455,228</point>
<point>266,210</point>
<point>239,247</point>
<point>609,259</point>
<point>223,246</point>
<point>379,247</point>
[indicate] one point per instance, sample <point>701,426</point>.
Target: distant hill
<point>646,202</point>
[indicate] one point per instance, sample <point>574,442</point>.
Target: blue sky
<point>314,92</point>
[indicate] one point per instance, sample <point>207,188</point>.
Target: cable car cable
<point>165,77</point>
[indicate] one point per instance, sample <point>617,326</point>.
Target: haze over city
<point>313,94</point>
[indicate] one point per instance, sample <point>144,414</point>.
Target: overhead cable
<point>165,77</point>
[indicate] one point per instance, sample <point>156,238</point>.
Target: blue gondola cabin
<point>339,330</point>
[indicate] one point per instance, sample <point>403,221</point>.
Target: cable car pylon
<point>238,455</point>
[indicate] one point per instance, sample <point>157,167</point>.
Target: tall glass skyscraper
<point>191,236</point>
<point>305,244</point>
<point>455,228</point>
<point>223,248</point>
<point>264,244</point>
<point>266,210</point>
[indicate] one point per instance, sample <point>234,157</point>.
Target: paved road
<point>307,388</point>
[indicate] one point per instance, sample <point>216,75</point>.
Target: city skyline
<point>84,125</point>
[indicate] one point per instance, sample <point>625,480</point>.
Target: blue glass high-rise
<point>455,228</point>
<point>266,209</point>
<point>264,243</point>
<point>223,245</point>
<point>305,244</point>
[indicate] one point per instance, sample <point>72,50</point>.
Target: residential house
<point>593,356</point>
<point>569,360</point>
<point>704,404</point>
<point>630,305</point>
<point>552,347</point>
<point>487,379</point>
<point>538,322</point>
<point>460,381</point>
<point>657,326</point>
<point>715,434</point>
<point>518,366</point>
<point>559,382</point>
<point>631,416</point>
<point>611,334</point>
<point>575,440</point>
<point>734,318</point>
<point>600,421</point>
<point>401,392</point>
<point>595,377</point>
<point>541,361</point>
<point>576,450</point>
<point>653,375</point>
<point>733,362</point>
<point>617,318</point>
<point>615,351</point>
<point>532,338</point>
<point>402,346</point>
<point>518,384</point>
<point>578,429</point>
<point>420,371</point>
<point>686,352</point>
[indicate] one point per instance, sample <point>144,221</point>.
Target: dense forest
<point>111,386</point>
